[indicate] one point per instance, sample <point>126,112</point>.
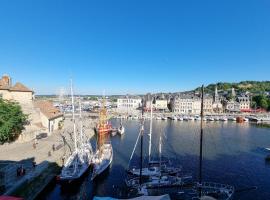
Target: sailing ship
<point>204,190</point>
<point>80,159</point>
<point>154,168</point>
<point>188,190</point>
<point>153,177</point>
<point>153,182</point>
<point>104,153</point>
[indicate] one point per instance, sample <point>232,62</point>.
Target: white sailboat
<point>154,168</point>
<point>199,191</point>
<point>156,182</point>
<point>104,154</point>
<point>121,129</point>
<point>80,159</point>
<point>102,160</point>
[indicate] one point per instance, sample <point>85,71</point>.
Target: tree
<point>92,98</point>
<point>12,121</point>
<point>261,101</point>
<point>114,100</point>
<point>264,103</point>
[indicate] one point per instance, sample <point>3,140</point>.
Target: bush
<point>12,121</point>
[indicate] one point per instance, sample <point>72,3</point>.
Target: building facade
<point>17,92</point>
<point>186,104</point>
<point>208,105</point>
<point>232,106</point>
<point>160,105</point>
<point>50,116</point>
<point>244,103</point>
<point>129,103</point>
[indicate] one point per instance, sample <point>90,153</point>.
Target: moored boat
<point>80,159</point>
<point>102,160</point>
<point>121,129</point>
<point>104,153</point>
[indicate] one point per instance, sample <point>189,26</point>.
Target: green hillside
<point>243,86</point>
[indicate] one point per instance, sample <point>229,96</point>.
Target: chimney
<point>6,80</point>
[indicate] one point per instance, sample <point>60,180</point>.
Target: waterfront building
<point>50,116</point>
<point>244,103</point>
<point>186,104</point>
<point>160,103</point>
<point>129,102</point>
<point>18,92</point>
<point>208,104</point>
<point>147,103</point>
<point>232,106</point>
<point>238,104</point>
<point>191,104</point>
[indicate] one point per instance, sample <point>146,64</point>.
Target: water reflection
<point>232,154</point>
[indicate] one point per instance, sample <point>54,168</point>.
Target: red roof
<point>20,87</point>
<point>47,108</point>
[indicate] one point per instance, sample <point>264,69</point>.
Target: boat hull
<point>72,180</point>
<point>99,168</point>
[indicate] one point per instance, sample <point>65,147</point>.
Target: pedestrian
<point>53,147</point>
<point>49,153</point>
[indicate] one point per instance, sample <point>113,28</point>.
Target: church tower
<point>216,97</point>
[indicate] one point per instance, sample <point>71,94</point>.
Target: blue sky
<point>133,46</point>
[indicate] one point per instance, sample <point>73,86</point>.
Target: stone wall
<point>54,124</point>
<point>44,120</point>
<point>22,97</point>
<point>5,94</point>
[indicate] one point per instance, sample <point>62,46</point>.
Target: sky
<point>133,46</point>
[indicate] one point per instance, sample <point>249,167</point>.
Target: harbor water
<point>232,154</point>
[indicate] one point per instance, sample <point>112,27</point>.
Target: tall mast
<point>81,125</point>
<point>142,129</point>
<point>201,142</point>
<point>150,131</point>
<point>160,143</point>
<point>73,115</point>
<point>102,127</point>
